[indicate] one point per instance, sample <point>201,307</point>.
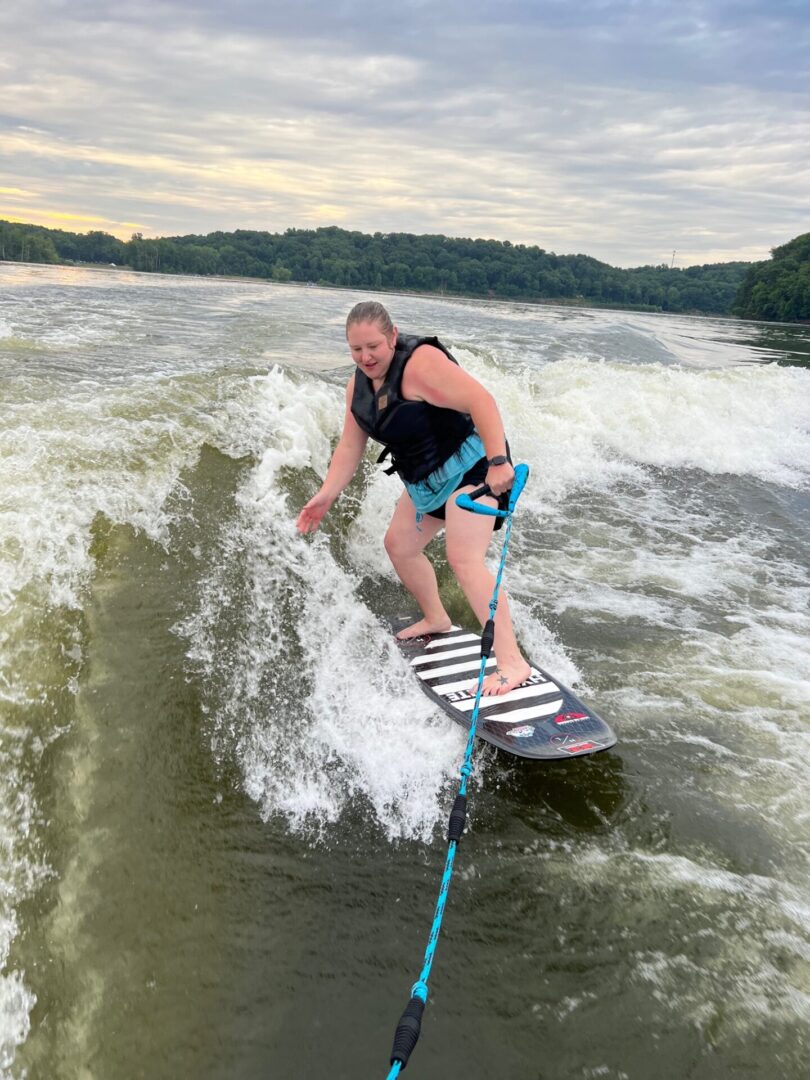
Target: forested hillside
<point>394,261</point>
<point>779,289</point>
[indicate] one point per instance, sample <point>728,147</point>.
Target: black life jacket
<point>419,437</point>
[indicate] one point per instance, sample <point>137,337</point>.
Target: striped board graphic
<point>540,719</point>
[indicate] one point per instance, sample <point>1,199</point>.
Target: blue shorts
<point>477,476</point>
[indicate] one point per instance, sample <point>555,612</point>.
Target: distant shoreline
<point>462,268</point>
<point>564,302</point>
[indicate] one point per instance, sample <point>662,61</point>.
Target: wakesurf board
<point>540,719</point>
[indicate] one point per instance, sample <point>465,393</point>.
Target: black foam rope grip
<point>407,1034</point>
<point>488,638</point>
<point>458,816</point>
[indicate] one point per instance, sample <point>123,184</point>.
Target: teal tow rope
<point>410,1023</point>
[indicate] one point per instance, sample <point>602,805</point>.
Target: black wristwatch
<point>499,459</point>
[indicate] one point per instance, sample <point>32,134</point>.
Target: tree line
<point>778,290</point>
<point>393,261</point>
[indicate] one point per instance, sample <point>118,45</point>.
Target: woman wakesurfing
<point>445,436</point>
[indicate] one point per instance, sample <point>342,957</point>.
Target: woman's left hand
<point>500,478</point>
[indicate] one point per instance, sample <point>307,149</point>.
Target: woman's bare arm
<point>342,468</point>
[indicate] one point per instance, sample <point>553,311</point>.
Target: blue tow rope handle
<point>467,500</point>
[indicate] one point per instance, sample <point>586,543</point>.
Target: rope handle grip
<point>467,499</point>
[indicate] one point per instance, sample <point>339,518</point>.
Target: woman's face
<point>371,350</point>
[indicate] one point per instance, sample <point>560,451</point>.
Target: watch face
<point>499,459</point>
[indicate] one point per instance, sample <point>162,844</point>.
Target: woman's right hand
<point>341,469</point>
<point>313,512</point>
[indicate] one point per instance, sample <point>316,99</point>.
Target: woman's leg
<point>468,537</point>
<point>405,545</point>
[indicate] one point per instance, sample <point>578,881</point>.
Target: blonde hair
<point>373,312</point>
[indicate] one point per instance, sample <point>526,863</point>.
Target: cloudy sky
<point>623,129</point>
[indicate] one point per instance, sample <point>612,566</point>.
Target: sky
<point>635,131</point>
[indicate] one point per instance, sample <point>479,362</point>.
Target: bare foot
<point>423,628</point>
<point>506,677</point>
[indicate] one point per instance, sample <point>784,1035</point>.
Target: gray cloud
<point>620,129</point>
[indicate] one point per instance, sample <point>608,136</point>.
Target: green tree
<point>778,290</point>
